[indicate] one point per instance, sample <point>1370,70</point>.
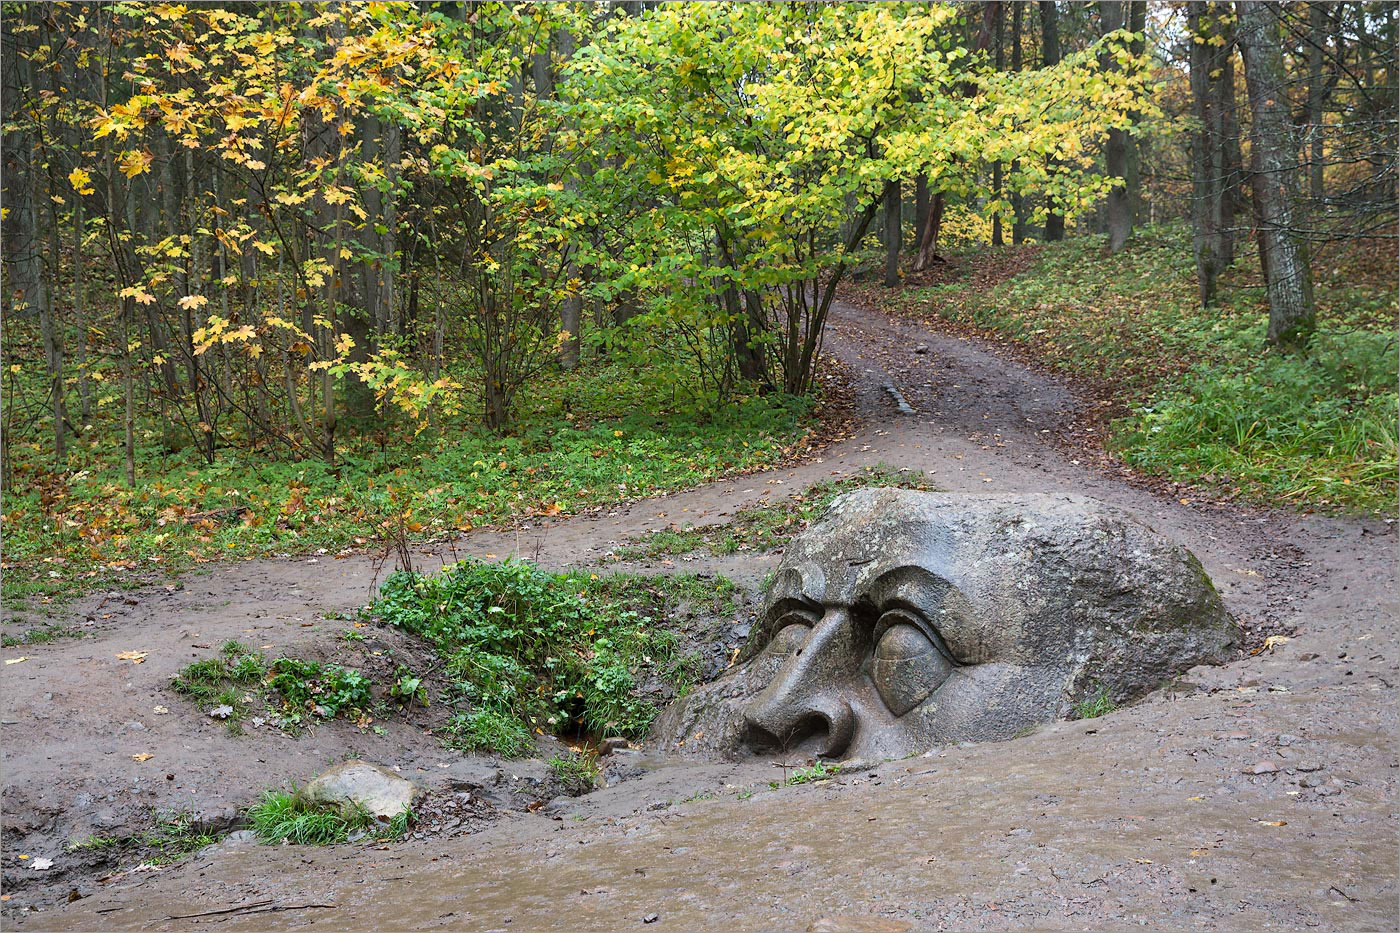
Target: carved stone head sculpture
<point>904,620</point>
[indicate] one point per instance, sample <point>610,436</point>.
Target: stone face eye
<point>907,666</point>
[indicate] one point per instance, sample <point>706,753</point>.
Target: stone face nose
<point>805,703</point>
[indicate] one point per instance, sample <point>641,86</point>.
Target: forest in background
<point>289,277</point>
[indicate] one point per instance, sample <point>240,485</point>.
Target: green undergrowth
<point>1209,404</point>
<point>768,526</point>
<point>170,838</point>
<point>289,816</point>
<point>590,438</point>
<point>230,685</point>
<point>529,652</point>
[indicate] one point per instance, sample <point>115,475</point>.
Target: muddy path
<point>1257,794</point>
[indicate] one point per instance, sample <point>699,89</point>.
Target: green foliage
<point>489,729</point>
<point>819,771</point>
<point>325,690</point>
<point>408,687</point>
<point>239,673</point>
<point>1096,705</point>
<point>576,772</point>
<point>289,817</point>
<point>530,650</point>
<point>1315,430</point>
<point>767,527</point>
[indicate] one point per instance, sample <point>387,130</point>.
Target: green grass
<point>598,436</point>
<point>1207,402</point>
<point>282,816</point>
<point>528,651</point>
<point>40,635</point>
<point>767,527</point>
<point>576,772</point>
<point>1096,705</point>
<point>175,837</point>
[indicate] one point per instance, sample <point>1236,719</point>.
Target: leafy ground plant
<point>819,771</point>
<point>226,686</point>
<point>530,652</point>
<point>766,527</point>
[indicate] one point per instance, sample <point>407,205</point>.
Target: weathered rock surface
<point>905,620</point>
<point>379,790</point>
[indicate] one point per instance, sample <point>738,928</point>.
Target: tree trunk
<point>921,202</point>
<point>1317,91</point>
<point>1212,210</point>
<point>928,237</point>
<point>893,206</point>
<point>1291,311</point>
<point>1000,40</point>
<point>1050,56</point>
<point>1118,208</point>
<point>1018,200</point>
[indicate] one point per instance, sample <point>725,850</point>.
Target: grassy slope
<point>1209,404</point>
<point>586,439</point>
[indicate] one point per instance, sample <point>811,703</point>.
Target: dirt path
<point>1151,815</point>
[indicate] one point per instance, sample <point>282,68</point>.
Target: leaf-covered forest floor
<point>584,440</point>
<point>1187,394</point>
<point>1256,794</point>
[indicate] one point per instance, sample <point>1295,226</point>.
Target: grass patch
<point>1208,403</point>
<point>174,838</point>
<point>768,526</point>
<point>40,635</point>
<point>527,651</point>
<point>228,685</point>
<point>281,816</point>
<point>576,772</point>
<point>1092,707</point>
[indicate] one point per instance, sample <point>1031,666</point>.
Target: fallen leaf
<point>16,660</point>
<point>135,657</point>
<point>1143,861</point>
<point>221,712</point>
<point>1200,852</point>
<point>159,710</point>
<point>142,756</point>
<point>1272,822</point>
<point>41,864</point>
<point>1197,799</point>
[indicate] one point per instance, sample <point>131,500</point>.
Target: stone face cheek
<point>905,620</point>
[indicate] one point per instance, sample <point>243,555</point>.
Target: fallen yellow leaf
<point>16,660</point>
<point>143,756</point>
<point>1143,861</point>
<point>135,657</point>
<point>1272,822</point>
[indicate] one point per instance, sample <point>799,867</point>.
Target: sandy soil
<point>1257,795</point>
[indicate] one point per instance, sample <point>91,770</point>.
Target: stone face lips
<point>904,620</point>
